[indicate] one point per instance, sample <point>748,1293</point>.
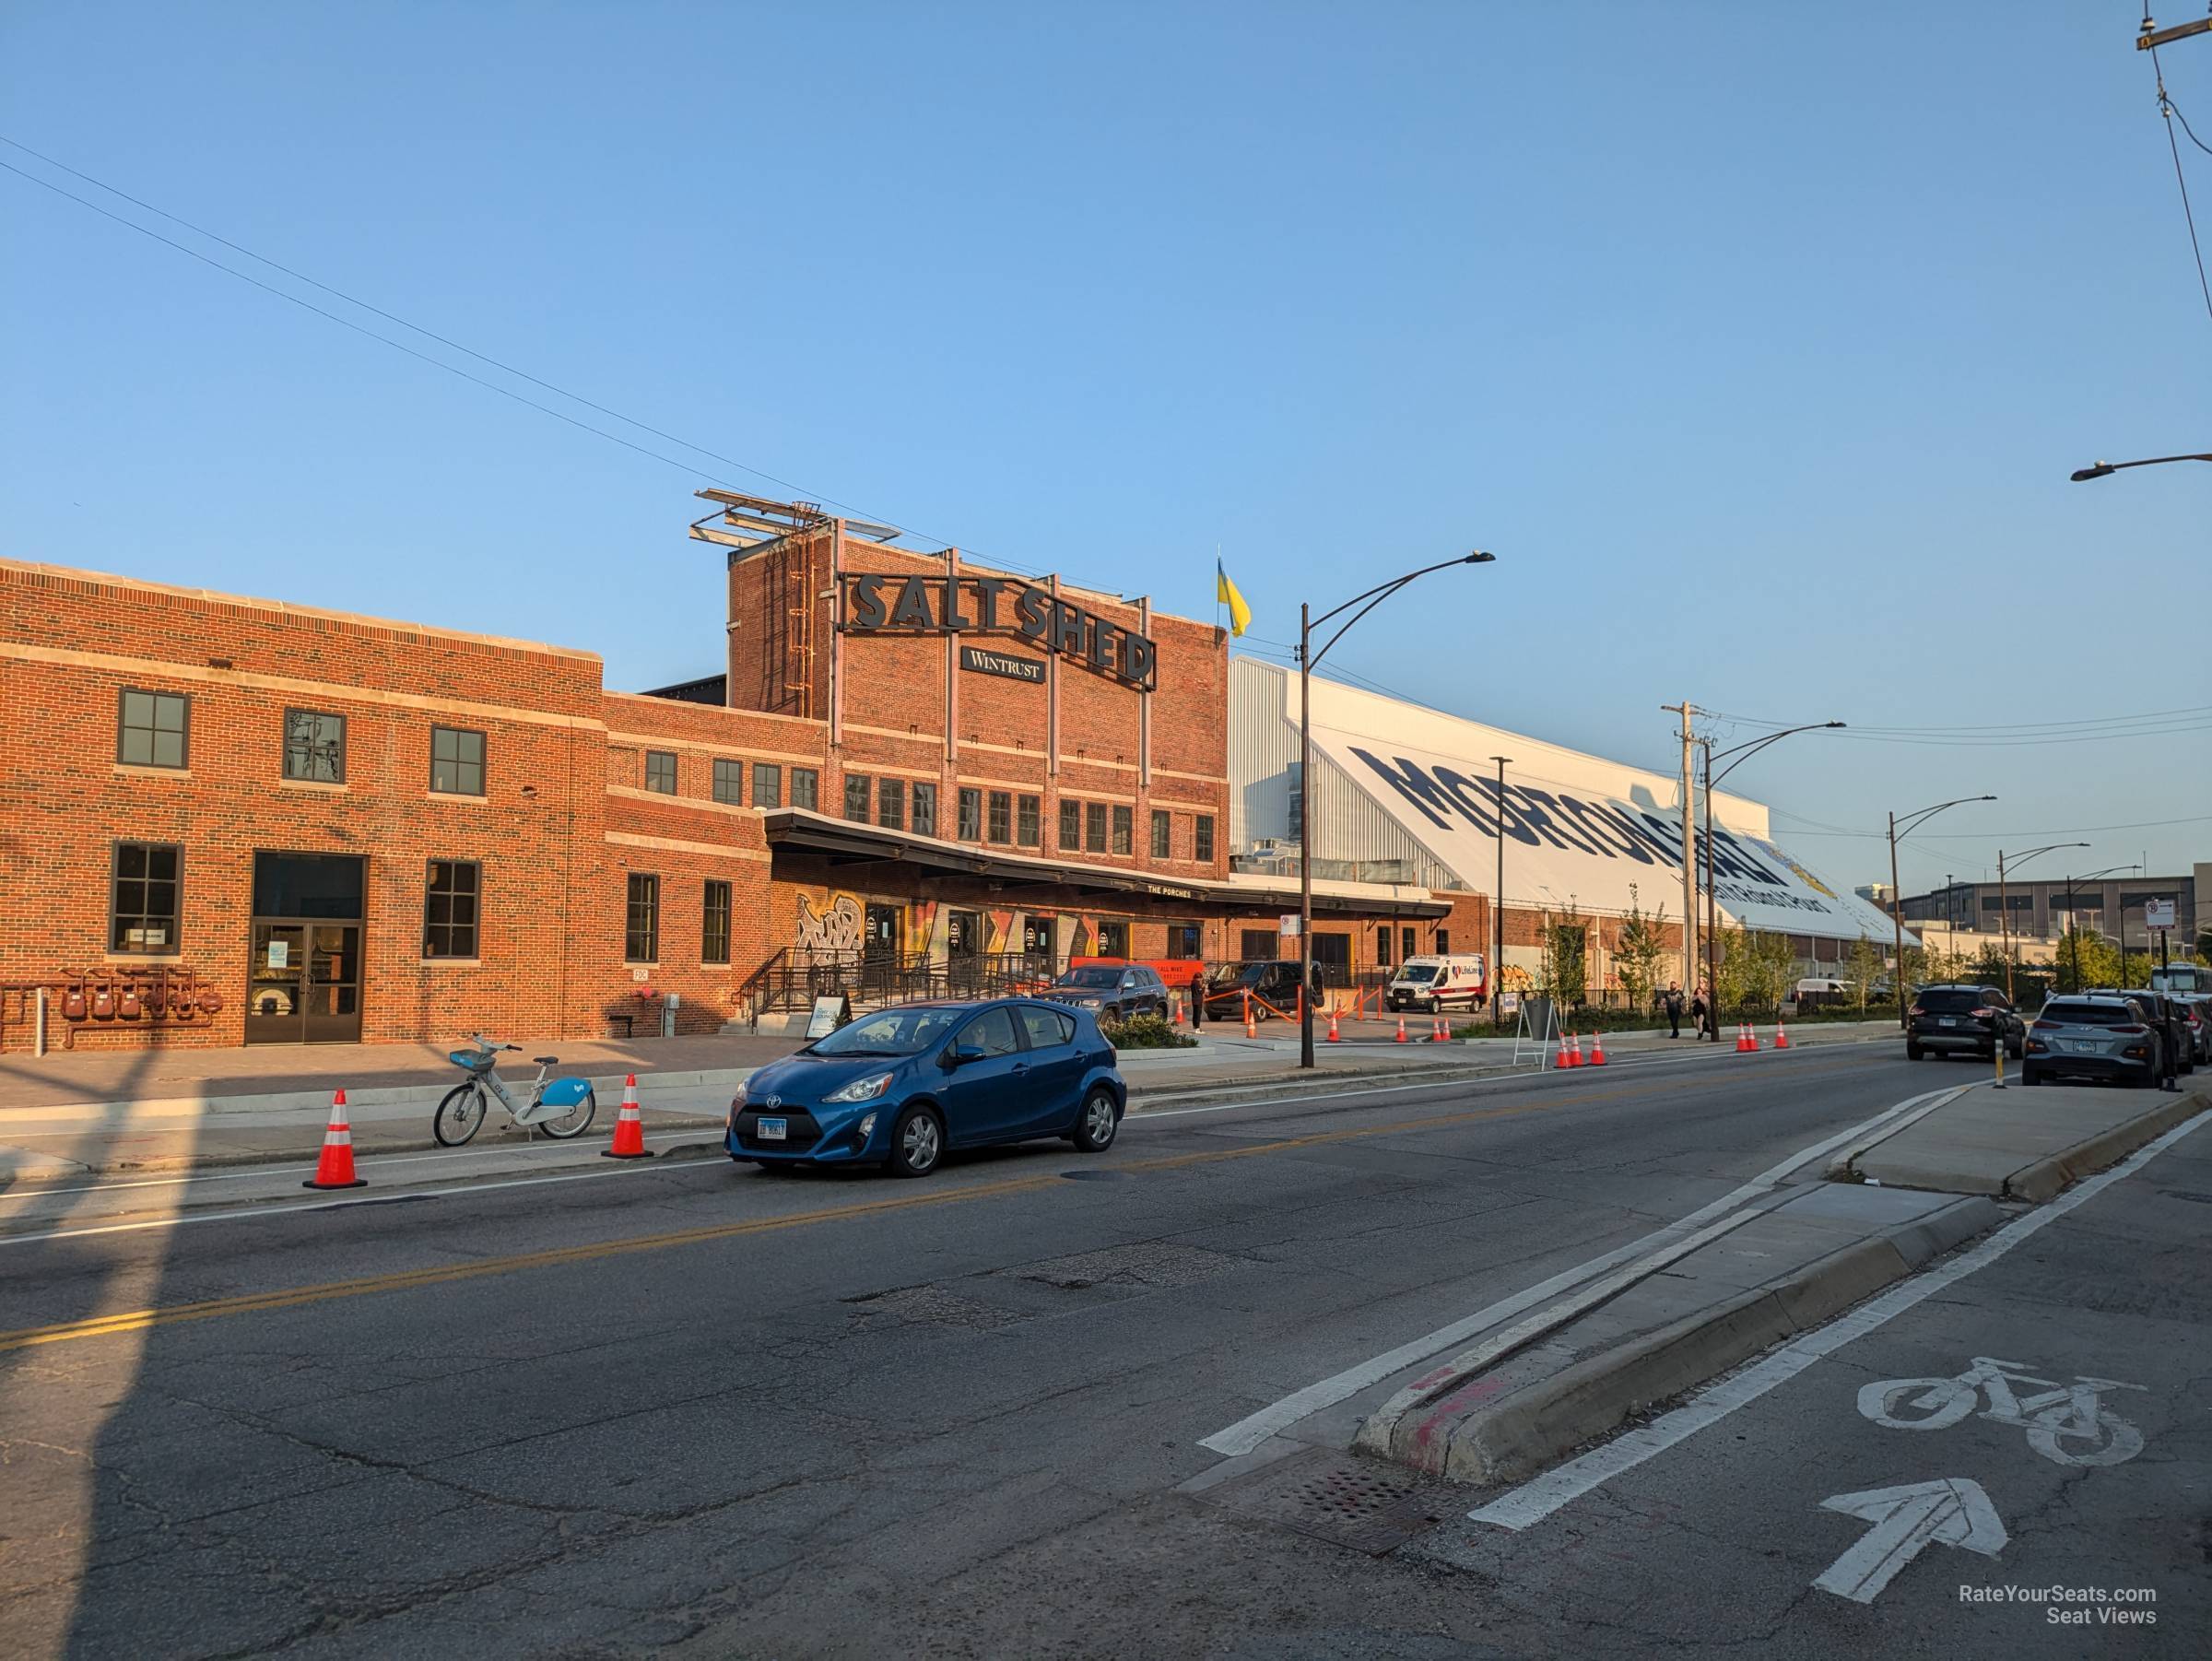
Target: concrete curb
<point>1510,1432</point>
<point>2046,1177</point>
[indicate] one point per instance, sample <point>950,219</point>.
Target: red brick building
<point>228,821</point>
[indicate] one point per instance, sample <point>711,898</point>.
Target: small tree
<point>1637,958</point>
<point>1566,961</point>
<point>1861,969</point>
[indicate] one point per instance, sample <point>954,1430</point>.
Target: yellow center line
<point>138,1320</point>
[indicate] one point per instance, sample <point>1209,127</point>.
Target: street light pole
<point>1742,752</point>
<point>2004,901</point>
<point>1897,895</point>
<point>2105,469</point>
<point>1498,907</point>
<point>1307,658</point>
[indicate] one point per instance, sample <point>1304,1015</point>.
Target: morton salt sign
<point>1575,827</point>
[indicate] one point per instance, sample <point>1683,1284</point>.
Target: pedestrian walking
<point>1198,998</point>
<point>1701,1008</point>
<point>1674,1009</point>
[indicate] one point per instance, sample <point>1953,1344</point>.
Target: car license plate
<point>771,1130</point>
<point>2083,1046</point>
<point>1948,1020</point>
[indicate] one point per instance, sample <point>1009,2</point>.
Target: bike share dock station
<point>1941,1171</point>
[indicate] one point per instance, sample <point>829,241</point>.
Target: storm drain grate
<point>1153,1262</point>
<point>1358,1504</point>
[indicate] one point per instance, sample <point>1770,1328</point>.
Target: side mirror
<point>960,1055</point>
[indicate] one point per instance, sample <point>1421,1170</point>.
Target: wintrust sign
<point>1583,845</point>
<point>877,604</point>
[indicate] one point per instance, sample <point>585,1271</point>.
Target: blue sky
<point>1757,340</point>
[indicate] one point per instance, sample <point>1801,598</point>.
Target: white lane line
<point>33,1191</point>
<point>1534,1500</point>
<point>321,1204</point>
<point>1247,1434</point>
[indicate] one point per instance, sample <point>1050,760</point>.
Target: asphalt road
<point>689,1408</point>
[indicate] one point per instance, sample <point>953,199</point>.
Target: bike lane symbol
<point>1949,1511</point>
<point>2069,1424</point>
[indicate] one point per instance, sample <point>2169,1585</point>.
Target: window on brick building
<point>143,913</point>
<point>456,761</point>
<point>971,816</point>
<point>857,796</point>
<point>925,810</point>
<point>1027,821</point>
<point>1094,827</point>
<point>768,785</point>
<point>1202,839</point>
<point>1382,946</point>
<point>1002,816</point>
<point>1443,942</point>
<point>153,729</point>
<point>660,771</point>
<point>642,923</point>
<point>449,908</point>
<point>1162,833</point>
<point>891,804</point>
<point>1071,827</point>
<point>714,924</point>
<point>1183,942</point>
<point>1406,946</point>
<point>1124,828</point>
<point>1113,938</point>
<point>314,747</point>
<point>729,780</point>
<point>805,788</point>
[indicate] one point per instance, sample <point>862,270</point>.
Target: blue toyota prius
<point>900,1087</point>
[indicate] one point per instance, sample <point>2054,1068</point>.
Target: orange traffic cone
<point>1564,1060</point>
<point>1333,1035</point>
<point>1753,1031</point>
<point>1252,1029</point>
<point>335,1168</point>
<point>1743,1038</point>
<point>1438,1035</point>
<point>1401,1028</point>
<point>1597,1049</point>
<point>629,1126</point>
<point>1575,1049</point>
<point>1782,1034</point>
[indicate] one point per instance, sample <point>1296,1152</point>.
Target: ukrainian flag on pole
<point>1224,593</point>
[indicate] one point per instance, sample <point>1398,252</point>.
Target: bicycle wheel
<point>459,1116</point>
<point>574,1122</point>
<point>2114,1442</point>
<point>1940,1402</point>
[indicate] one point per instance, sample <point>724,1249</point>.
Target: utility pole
<point>1689,849</point>
<point>1497,906</point>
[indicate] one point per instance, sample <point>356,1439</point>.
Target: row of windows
<point>145,911</point>
<point>1012,819</point>
<point>154,730</point>
<point>729,780</point>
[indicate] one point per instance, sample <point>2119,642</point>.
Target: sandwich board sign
<point>828,1011</point>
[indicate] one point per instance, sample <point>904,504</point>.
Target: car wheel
<point>2016,1048</point>
<point>2029,1077</point>
<point>1097,1121</point>
<point>917,1143</point>
<point>1913,1052</point>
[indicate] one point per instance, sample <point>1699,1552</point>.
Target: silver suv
<point>2085,1035</point>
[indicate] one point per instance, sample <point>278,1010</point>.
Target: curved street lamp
<point>2004,901</point>
<point>2073,922</point>
<point>1743,753</point>
<point>1307,658</point>
<point>1897,896</point>
<point>2106,469</point>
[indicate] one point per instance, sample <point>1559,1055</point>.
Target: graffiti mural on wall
<point>834,929</point>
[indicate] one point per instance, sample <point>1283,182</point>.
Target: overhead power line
<point>428,334</point>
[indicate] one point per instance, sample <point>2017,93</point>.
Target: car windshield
<point>1097,975</point>
<point>1420,973</point>
<point>890,1033</point>
<point>2089,1015</point>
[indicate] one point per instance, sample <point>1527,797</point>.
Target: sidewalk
<point>1605,1353</point>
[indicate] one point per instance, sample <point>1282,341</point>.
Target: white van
<point>1431,984</point>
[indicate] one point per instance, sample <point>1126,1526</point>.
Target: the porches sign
<point>878,603</point>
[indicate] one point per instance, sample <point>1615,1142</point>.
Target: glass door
<point>333,994</point>
<point>274,977</point>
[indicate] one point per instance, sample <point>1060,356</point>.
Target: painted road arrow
<point>1950,1510</point>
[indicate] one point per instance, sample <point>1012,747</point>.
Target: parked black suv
<point>1270,982</point>
<point>1963,1020</point>
<point>1112,992</point>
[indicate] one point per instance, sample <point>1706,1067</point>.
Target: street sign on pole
<point>1286,925</point>
<point>2157,913</point>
